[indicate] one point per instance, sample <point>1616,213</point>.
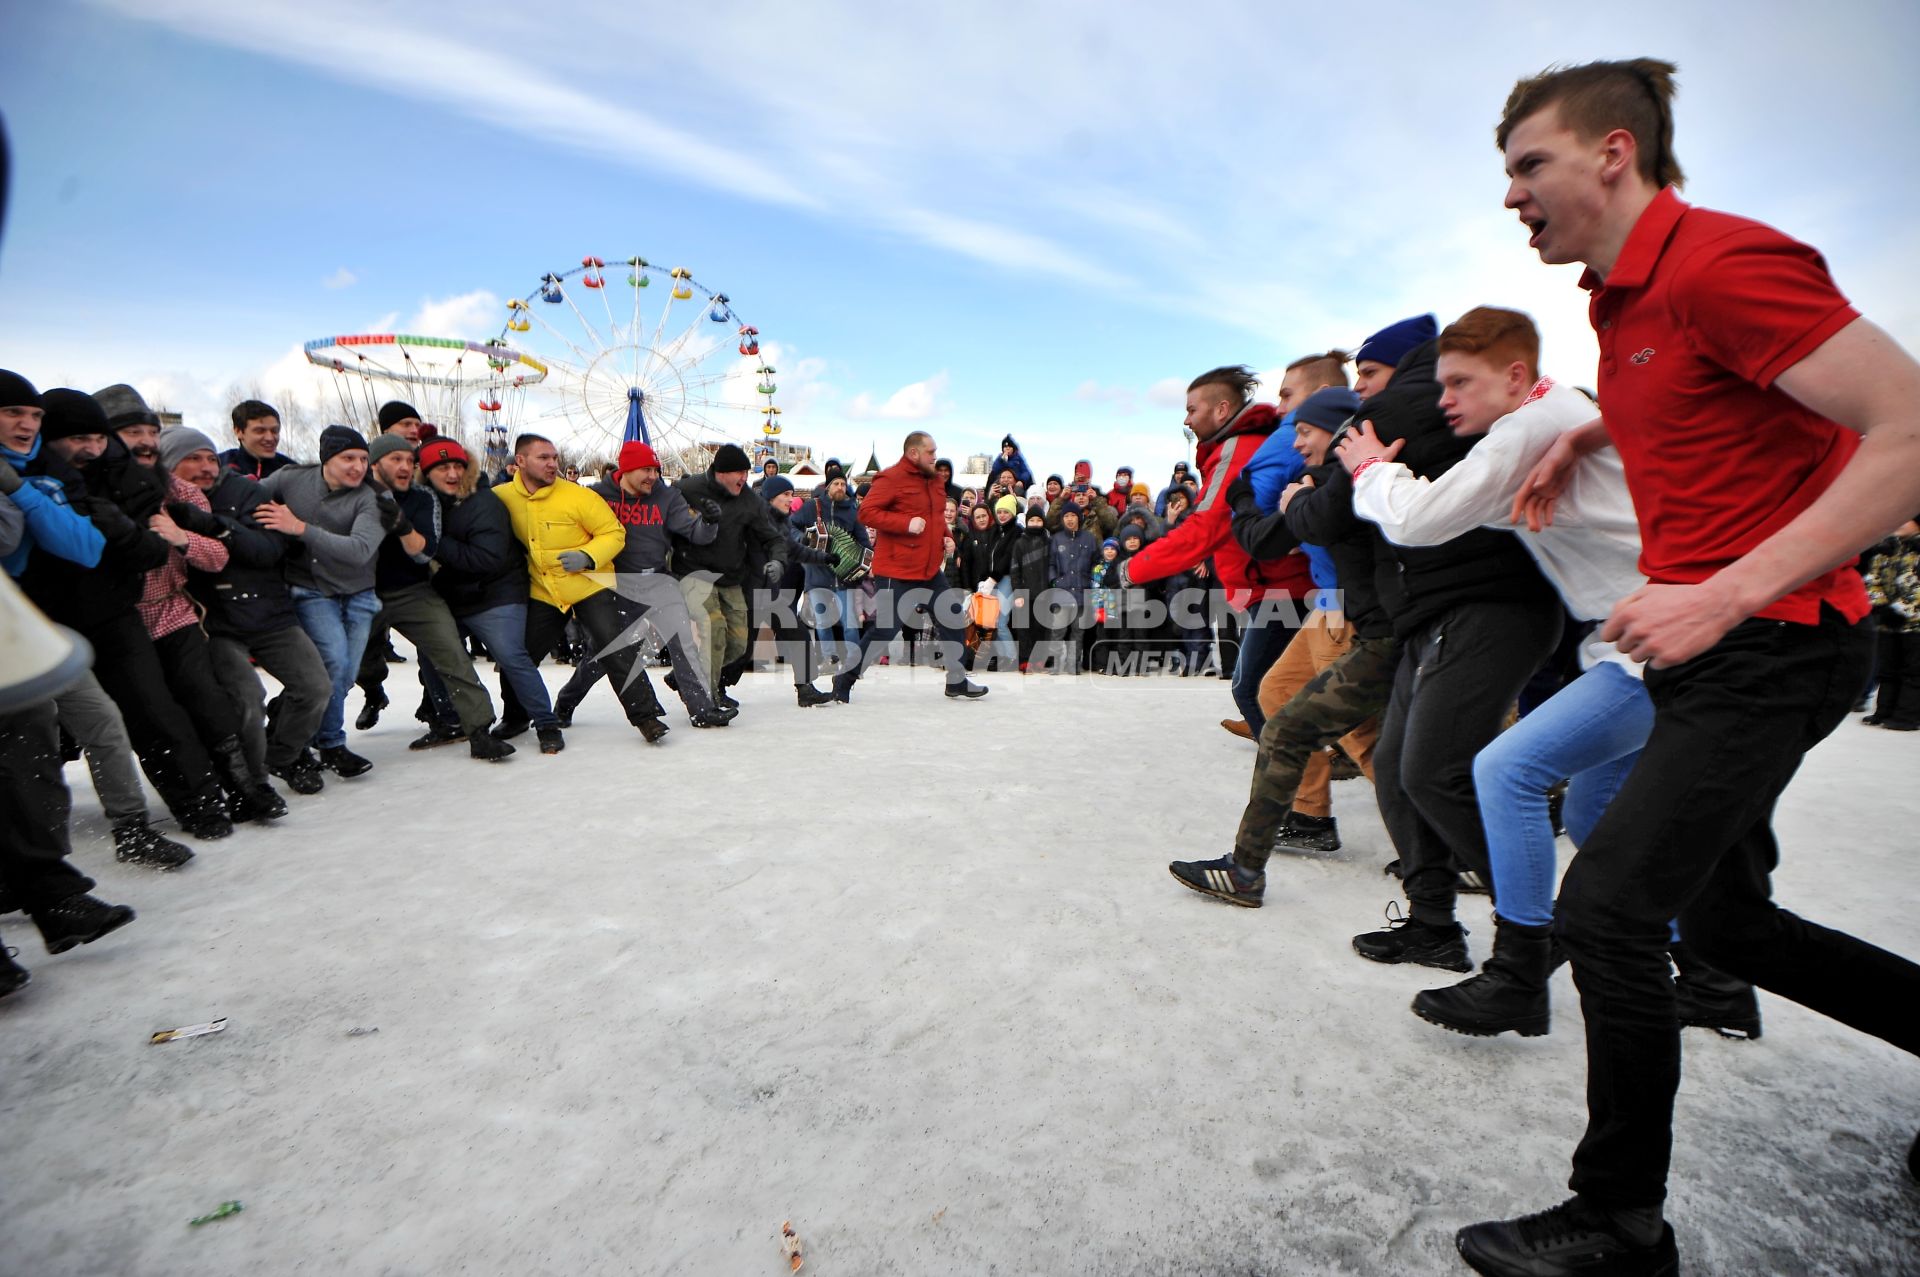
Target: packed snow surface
<point>910,974</point>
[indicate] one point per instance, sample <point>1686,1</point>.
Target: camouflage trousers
<point>1338,699</point>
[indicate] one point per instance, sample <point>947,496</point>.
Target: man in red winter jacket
<point>1230,428</point>
<point>905,509</point>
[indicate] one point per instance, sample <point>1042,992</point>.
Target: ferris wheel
<point>642,352</point>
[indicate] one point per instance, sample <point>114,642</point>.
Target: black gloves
<point>9,479</point>
<point>191,518</point>
<point>709,508</point>
<point>392,517</point>
<point>1240,496</point>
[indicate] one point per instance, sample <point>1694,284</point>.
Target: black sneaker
<point>808,695</point>
<point>707,718</point>
<point>370,711</point>
<point>508,728</point>
<point>136,843</point>
<point>258,801</point>
<point>724,701</point>
<point>1410,940</point>
<point>551,741</point>
<point>13,976</point>
<point>343,762</point>
<point>439,734</point>
<point>1221,879</point>
<point>1571,1240</point>
<point>302,775</point>
<point>653,729</point>
<point>207,819</point>
<point>79,919</point>
<point>487,747</point>
<point>964,690</point>
<point>1706,997</point>
<point>1308,833</point>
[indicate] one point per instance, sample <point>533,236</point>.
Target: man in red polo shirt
<point>1769,433</point>
<point>905,509</point>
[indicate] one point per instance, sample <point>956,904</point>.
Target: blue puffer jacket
<point>1016,464</point>
<point>1270,470</point>
<point>844,512</point>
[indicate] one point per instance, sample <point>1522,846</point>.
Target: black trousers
<point>1898,668</point>
<point>162,734</point>
<point>616,651</point>
<point>34,805</point>
<point>1690,836</point>
<point>188,661</point>
<point>1458,676</point>
<point>932,602</point>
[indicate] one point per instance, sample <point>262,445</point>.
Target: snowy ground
<point>910,974</point>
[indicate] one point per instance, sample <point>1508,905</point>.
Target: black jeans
<point>898,600</point>
<point>1690,837</point>
<point>1458,676</point>
<point>615,649</point>
<point>34,805</point>
<point>129,670</point>
<point>188,661</point>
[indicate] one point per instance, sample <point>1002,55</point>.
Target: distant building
<point>978,463</point>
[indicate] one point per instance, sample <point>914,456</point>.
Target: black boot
<point>136,843</point>
<point>370,710</point>
<point>79,919</point>
<point>206,816</point>
<point>343,762</point>
<point>1509,994</point>
<point>13,976</point>
<point>843,685</point>
<point>302,774</point>
<point>1300,832</point>
<point>1708,998</point>
<point>247,798</point>
<point>487,747</point>
<point>809,696</point>
<point>653,729</point>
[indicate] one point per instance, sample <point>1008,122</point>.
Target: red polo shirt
<point>1698,316</point>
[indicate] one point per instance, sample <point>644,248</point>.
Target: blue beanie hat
<point>776,485</point>
<point>1328,408</point>
<point>1109,544</point>
<point>1391,344</point>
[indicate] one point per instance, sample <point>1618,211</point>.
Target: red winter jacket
<point>1208,530</point>
<point>899,494</point>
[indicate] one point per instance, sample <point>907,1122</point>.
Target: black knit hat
<point>72,412</point>
<point>335,440</point>
<point>393,411</point>
<point>730,458</point>
<point>17,392</point>
<point>124,407</point>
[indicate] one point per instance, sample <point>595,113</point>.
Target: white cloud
<point>917,401</point>
<point>1168,392</point>
<point>342,278</point>
<point>1121,399</point>
<point>474,316</point>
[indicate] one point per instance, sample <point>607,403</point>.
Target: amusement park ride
<point>684,374</point>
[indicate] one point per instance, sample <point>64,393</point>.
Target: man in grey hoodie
<point>332,514</point>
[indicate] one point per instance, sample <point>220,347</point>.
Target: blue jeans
<point>504,631</point>
<point>338,624</point>
<point>1004,651</point>
<point>1590,734</point>
<point>825,608</point>
<point>1261,642</point>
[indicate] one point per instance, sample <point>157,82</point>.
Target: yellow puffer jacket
<point>563,516</point>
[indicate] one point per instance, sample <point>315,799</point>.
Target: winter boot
<point>1574,1239</point>
<point>809,696</point>
<point>247,798</point>
<point>551,741</point>
<point>136,843</point>
<point>206,817</point>
<point>843,686</point>
<point>438,734</point>
<point>302,774</point>
<point>1509,994</point>
<point>370,710</point>
<point>508,728</point>
<point>79,919</point>
<point>13,976</point>
<point>705,718</point>
<point>1406,939</point>
<point>487,747</point>
<point>652,729</point>
<point>343,762</point>
<point>965,691</point>
<point>1307,833</point>
<point>1708,998</point>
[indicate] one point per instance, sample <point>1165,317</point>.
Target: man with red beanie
<point>1230,428</point>
<point>905,510</point>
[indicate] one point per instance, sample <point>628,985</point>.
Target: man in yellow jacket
<point>571,537</point>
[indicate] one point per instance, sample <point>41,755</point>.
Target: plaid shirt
<point>165,605</point>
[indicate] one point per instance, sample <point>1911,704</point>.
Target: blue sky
<point>1036,219</point>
